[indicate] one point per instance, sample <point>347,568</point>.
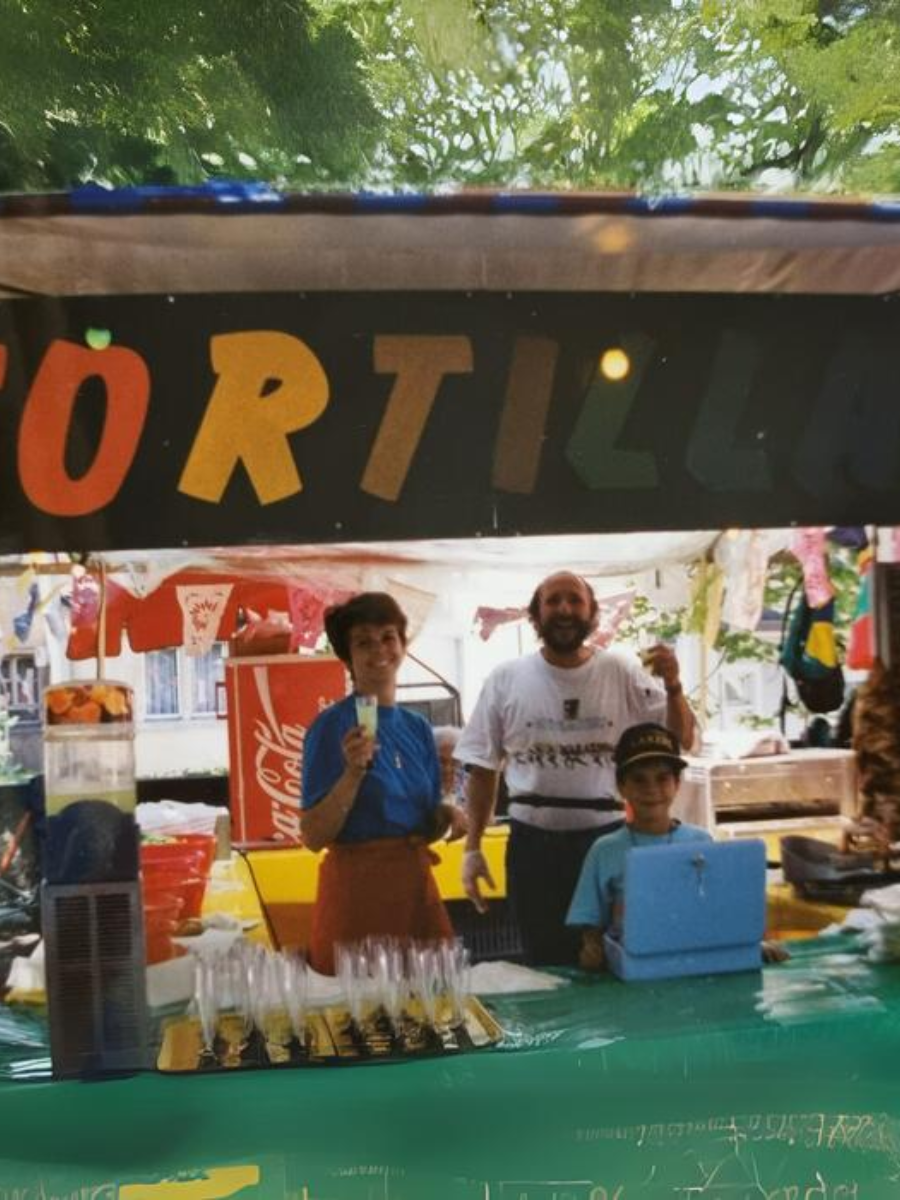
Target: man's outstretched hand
<point>475,870</point>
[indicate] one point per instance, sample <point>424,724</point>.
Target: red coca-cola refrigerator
<point>272,701</point>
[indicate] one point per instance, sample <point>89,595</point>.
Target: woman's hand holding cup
<point>359,749</point>
<point>367,716</point>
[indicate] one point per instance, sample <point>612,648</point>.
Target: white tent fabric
<point>426,563</point>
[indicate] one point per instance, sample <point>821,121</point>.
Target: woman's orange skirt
<point>383,888</point>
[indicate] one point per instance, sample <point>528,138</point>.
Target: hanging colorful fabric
<point>611,612</point>
<point>84,607</point>
<point>861,643</point>
<point>19,604</point>
<point>704,615</point>
<point>202,607</point>
<point>743,556</point>
<point>488,620</point>
<point>808,546</point>
<point>809,655</point>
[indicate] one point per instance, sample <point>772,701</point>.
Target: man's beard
<point>564,637</point>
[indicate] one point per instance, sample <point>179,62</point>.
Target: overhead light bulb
<point>614,364</point>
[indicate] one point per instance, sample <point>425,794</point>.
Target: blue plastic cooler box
<point>691,909</point>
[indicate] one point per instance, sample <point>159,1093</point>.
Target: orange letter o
<point>47,420</point>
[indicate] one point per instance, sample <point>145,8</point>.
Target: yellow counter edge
<point>289,876</point>
<point>286,879</point>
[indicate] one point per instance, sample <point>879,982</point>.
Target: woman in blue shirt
<point>373,802</point>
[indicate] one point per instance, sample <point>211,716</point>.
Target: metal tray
<point>331,1038</point>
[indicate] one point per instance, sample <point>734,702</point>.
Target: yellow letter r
<point>246,423</point>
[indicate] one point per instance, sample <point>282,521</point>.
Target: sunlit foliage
<point>658,95</point>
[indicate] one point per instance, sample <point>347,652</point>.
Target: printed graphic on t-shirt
<point>547,725</point>
<point>546,750</point>
<point>564,755</point>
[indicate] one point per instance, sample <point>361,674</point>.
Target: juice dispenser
<point>91,898</point>
<point>89,782</point>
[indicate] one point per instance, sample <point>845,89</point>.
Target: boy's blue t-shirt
<point>599,886</point>
<point>402,788</point>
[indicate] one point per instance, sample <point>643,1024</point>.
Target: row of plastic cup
<point>174,875</point>
<point>381,974</point>
<point>264,990</point>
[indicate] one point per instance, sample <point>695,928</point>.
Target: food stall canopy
<point>594,555</point>
<point>167,598</point>
<point>210,367</point>
<point>236,239</point>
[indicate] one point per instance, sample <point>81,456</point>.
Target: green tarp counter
<point>774,1085</point>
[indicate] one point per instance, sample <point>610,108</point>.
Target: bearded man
<point>550,721</point>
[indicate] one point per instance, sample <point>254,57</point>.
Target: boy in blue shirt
<point>648,772</point>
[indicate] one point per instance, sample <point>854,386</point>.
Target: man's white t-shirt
<point>554,729</point>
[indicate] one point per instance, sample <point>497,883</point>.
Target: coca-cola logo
<point>278,761</point>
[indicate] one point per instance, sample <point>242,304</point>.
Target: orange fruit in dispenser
<point>87,713</point>
<point>115,702</point>
<point>59,701</point>
<point>88,703</point>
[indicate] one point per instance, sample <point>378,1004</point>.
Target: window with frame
<point>178,685</point>
<point>162,694</point>
<point>206,672</point>
<point>20,683</point>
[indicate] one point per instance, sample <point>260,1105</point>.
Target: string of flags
<point>194,609</point>
<point>730,589</point>
<point>612,611</point>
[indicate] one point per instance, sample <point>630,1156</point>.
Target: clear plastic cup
<point>367,714</point>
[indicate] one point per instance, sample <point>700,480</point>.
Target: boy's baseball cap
<point>647,741</point>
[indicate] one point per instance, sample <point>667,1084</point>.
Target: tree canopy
<point>655,95</point>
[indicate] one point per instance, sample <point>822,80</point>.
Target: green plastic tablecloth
<point>777,1085</point>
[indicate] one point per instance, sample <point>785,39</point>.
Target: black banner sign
<point>151,421</point>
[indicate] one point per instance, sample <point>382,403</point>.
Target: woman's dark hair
<point>368,608</point>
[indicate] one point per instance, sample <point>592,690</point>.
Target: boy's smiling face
<point>650,787</point>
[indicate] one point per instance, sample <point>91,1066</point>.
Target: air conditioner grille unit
<point>96,988</point>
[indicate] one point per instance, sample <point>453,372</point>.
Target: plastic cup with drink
<point>367,715</point>
<point>646,642</point>
<point>648,646</point>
